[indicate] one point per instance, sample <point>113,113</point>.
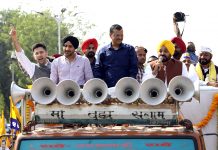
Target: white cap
<point>205,49</point>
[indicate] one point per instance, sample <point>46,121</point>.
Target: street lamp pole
<point>59,19</point>
<point>59,35</point>
<point>13,59</point>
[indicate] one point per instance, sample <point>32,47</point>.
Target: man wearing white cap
<point>205,68</point>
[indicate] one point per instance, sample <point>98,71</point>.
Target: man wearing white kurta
<point>165,68</point>
<point>34,70</point>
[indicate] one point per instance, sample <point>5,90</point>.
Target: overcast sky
<point>144,22</point>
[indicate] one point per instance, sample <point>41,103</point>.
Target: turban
<point>56,55</point>
<point>73,40</point>
<point>184,56</point>
<point>169,45</point>
<point>88,42</point>
<point>179,42</point>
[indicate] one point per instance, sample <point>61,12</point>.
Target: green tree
<point>2,104</point>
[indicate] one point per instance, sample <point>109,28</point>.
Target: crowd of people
<point>117,60</point>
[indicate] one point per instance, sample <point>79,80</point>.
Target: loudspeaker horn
<point>18,93</point>
<point>127,90</point>
<point>95,91</point>
<point>43,90</point>
<point>153,91</point>
<point>68,92</point>
<point>181,88</point>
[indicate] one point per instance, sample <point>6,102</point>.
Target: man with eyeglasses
<point>89,48</point>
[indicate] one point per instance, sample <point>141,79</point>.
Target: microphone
<point>160,59</point>
<point>158,65</point>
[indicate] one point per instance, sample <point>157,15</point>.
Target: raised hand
<point>15,41</point>
<point>13,33</point>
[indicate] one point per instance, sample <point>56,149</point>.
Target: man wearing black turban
<point>71,66</point>
<point>70,41</point>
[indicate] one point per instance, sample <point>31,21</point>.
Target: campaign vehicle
<point>127,116</point>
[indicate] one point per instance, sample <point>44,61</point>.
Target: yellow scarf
<point>212,72</point>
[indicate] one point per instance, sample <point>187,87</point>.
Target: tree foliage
<point>31,28</point>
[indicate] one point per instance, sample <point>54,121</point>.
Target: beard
<point>68,53</point>
<point>177,55</point>
<point>204,61</point>
<point>165,58</point>
<point>90,54</point>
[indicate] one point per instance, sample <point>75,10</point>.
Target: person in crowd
<point>141,55</point>
<point>56,55</point>
<point>207,71</point>
<point>180,47</point>
<point>166,68</point>
<point>117,59</point>
<point>89,48</point>
<point>51,58</point>
<point>41,68</point>
<point>190,48</point>
<point>71,66</point>
<point>176,28</point>
<point>186,60</point>
<point>190,67</point>
<point>152,58</point>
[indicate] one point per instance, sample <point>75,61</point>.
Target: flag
<point>15,117</point>
<point>2,127</point>
<point>17,113</point>
<point>2,124</point>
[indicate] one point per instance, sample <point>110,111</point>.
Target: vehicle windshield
<point>108,144</point>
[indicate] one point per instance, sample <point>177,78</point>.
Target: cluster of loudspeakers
<point>127,90</point>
